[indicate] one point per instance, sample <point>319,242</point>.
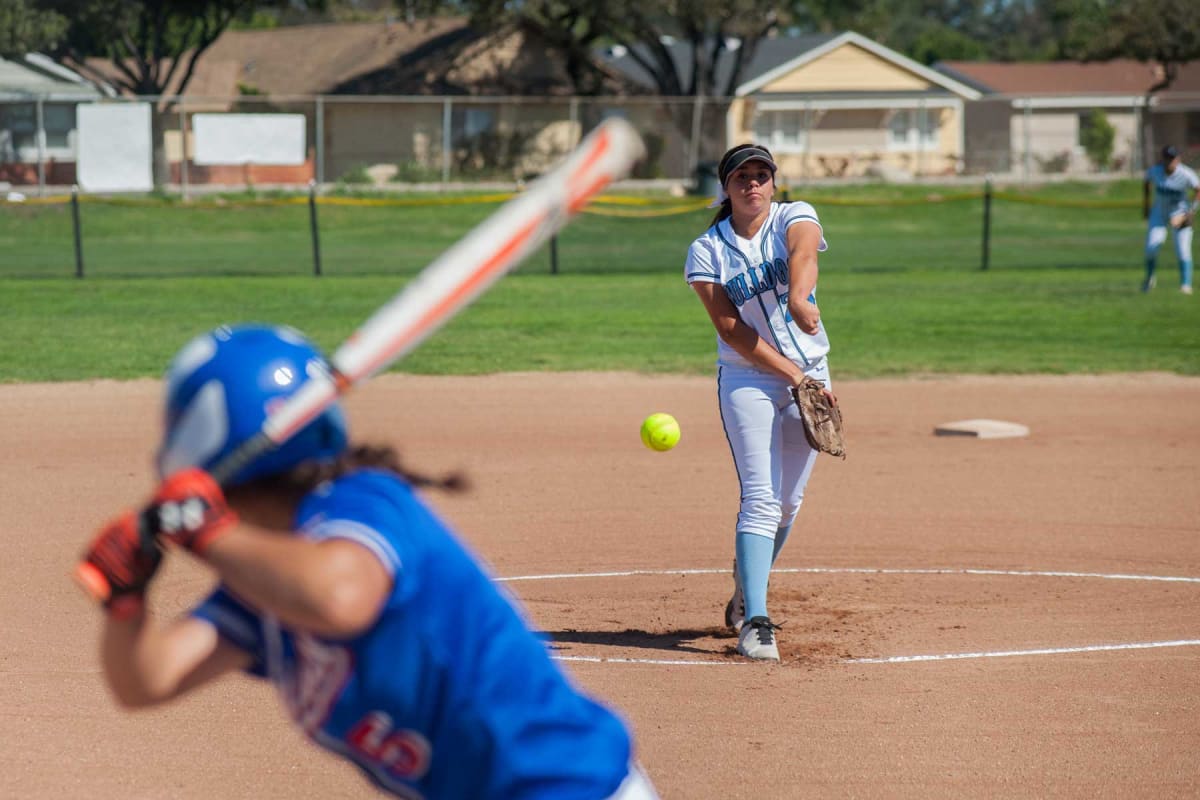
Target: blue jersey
<point>1171,192</point>
<point>448,694</point>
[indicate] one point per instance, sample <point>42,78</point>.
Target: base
<point>982,429</point>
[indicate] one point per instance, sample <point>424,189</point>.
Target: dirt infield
<point>962,617</point>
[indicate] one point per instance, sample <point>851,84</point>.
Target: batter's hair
<point>307,476</point>
<point>726,208</point>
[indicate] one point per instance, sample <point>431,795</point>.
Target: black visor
<point>741,157</point>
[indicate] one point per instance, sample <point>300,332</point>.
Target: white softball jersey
<point>1171,191</point>
<point>754,274</point>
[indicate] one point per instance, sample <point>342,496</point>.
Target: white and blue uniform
<point>766,436</point>
<point>448,694</point>
<point>1172,195</point>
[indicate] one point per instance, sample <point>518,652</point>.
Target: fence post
<point>987,222</point>
<point>41,146</point>
<point>78,231</point>
<point>312,224</point>
<point>447,142</point>
<point>554,254</point>
<point>320,134</point>
<point>183,146</point>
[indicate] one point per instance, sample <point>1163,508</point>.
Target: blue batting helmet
<point>221,385</point>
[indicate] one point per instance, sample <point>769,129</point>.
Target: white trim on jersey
<point>357,532</point>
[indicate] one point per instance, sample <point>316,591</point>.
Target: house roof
<point>443,56</point>
<point>511,60</point>
<point>36,75</point>
<point>770,54</point>
<point>777,56</point>
<point>303,59</point>
<point>318,59</point>
<point>1122,77</point>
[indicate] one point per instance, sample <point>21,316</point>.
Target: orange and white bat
<point>440,291</point>
<point>453,280</point>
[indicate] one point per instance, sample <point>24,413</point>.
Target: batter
<point>387,641</point>
<point>755,271</point>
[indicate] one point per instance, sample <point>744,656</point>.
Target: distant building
<point>837,105</point>
<point>37,94</point>
<point>1032,115</point>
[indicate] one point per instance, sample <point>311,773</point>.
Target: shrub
<point>1097,136</point>
<point>416,172</point>
<point>1055,164</point>
<point>356,175</point>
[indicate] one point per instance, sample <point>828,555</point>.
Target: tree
<point>720,33</point>
<point>25,29</point>
<point>1165,33</point>
<point>716,32</point>
<point>719,38</point>
<point>153,45</point>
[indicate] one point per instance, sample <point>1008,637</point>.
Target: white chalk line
<point>672,662</point>
<point>1045,651</point>
<point>861,571</point>
<point>884,571</point>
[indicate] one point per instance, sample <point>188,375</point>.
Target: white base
<point>982,429</point>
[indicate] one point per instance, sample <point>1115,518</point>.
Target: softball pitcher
<point>387,642</point>
<point>755,270</point>
<point>1175,185</point>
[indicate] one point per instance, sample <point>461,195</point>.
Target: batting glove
<point>118,566</point>
<point>189,509</point>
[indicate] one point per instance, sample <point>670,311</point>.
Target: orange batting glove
<point>118,566</point>
<point>189,509</point>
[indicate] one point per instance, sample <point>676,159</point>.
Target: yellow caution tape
<point>1038,201</point>
<point>607,205</point>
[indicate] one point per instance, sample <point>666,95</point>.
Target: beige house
<point>435,100</point>
<point>850,106</point>
<point>1033,115</point>
<point>422,101</point>
<point>838,105</point>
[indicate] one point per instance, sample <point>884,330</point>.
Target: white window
<point>782,131</point>
<point>913,128</point>
<point>19,120</point>
<point>476,121</point>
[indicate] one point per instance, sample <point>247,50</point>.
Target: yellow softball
<point>660,432</point>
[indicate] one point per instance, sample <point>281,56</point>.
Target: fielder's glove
<point>821,416</point>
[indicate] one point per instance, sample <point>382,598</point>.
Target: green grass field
<point>901,287</point>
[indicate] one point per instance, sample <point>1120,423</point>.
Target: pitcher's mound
<point>982,429</point>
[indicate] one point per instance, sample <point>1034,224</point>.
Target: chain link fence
<point>375,141</point>
<point>380,142</point>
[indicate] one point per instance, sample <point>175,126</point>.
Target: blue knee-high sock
<point>780,537</point>
<point>1150,266</point>
<point>754,570</point>
<point>1185,273</point>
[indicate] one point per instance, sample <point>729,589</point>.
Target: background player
<point>387,642</point>
<point>1175,185</point>
<point>755,270</point>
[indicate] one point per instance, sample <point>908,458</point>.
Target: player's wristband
<point>126,606</point>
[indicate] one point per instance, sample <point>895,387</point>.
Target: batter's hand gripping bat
<point>446,286</point>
